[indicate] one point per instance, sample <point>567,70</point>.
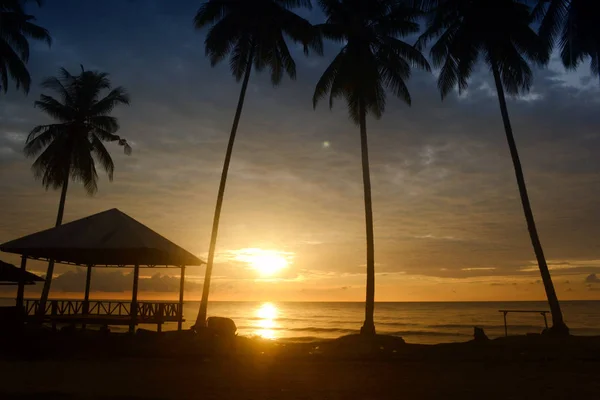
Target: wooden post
<point>53,313</point>
<point>505,326</point>
<point>160,317</point>
<point>86,298</point>
<point>181,287</point>
<point>134,302</point>
<point>21,287</point>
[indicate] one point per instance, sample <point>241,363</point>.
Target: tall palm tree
<point>252,34</point>
<point>574,23</point>
<point>70,148</point>
<point>500,33</point>
<point>15,27</point>
<point>372,59</point>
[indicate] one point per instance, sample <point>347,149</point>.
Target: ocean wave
<point>484,326</point>
<point>321,330</point>
<point>425,333</point>
<point>314,329</point>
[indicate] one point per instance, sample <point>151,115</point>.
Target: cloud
<point>445,200</point>
<point>118,282</point>
<point>592,278</point>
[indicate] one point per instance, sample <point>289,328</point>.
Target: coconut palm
<point>70,148</point>
<point>498,32</point>
<point>372,59</point>
<point>574,23</point>
<point>251,34</point>
<point>15,28</point>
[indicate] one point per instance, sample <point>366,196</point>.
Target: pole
<point>181,286</point>
<point>21,288</point>
<point>86,298</point>
<point>134,294</point>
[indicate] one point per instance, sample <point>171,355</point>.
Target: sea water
<point>415,322</point>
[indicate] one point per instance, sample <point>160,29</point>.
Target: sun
<point>268,264</point>
<point>265,262</point>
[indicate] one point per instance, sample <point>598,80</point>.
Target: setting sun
<point>265,262</point>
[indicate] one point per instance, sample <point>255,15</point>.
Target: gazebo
<point>11,275</point>
<point>110,239</point>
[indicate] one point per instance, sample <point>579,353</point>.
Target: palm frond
<point>466,30</point>
<point>552,14</point>
<point>54,108</point>
<point>83,166</point>
<point>213,11</point>
<point>41,136</point>
<point>105,105</point>
<point>103,156</point>
<point>16,27</point>
<point>223,37</point>
<point>105,124</point>
<point>323,87</point>
<point>67,149</point>
<point>12,66</point>
<point>254,31</point>
<point>373,58</point>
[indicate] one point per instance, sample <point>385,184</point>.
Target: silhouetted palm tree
<point>574,23</point>
<point>251,33</point>
<point>15,27</point>
<point>499,32</point>
<point>372,59</point>
<point>70,148</point>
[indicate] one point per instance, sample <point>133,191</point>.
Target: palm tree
<point>15,27</point>
<point>372,59</point>
<point>252,34</point>
<point>499,32</point>
<point>574,23</point>
<point>70,148</point>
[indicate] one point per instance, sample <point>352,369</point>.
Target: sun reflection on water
<point>267,312</point>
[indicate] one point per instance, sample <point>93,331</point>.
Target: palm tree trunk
<point>201,319</point>
<point>368,327</point>
<point>558,324</point>
<point>50,270</point>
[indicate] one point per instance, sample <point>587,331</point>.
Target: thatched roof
<point>108,238</point>
<point>9,273</point>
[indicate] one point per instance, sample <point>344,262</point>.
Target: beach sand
<point>496,370</point>
<point>298,379</point>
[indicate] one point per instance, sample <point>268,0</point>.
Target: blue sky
<point>448,221</point>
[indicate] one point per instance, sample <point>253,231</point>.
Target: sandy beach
<point>298,379</point>
<point>518,368</point>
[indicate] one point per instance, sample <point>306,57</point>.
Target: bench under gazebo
<point>110,239</point>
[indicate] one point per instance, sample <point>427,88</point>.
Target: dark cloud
<point>592,278</point>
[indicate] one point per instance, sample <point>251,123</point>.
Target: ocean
<point>425,323</point>
<point>415,322</point>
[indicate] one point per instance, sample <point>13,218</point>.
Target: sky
<point>448,220</point>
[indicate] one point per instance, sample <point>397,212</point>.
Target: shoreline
<point>344,368</point>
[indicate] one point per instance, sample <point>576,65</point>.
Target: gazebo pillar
<point>21,287</point>
<point>86,298</point>
<point>181,287</point>
<point>134,302</point>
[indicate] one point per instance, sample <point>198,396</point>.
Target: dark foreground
<point>514,368</point>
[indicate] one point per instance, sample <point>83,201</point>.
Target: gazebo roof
<point>109,238</point>
<point>9,273</point>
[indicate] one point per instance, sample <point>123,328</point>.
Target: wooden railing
<point>147,312</point>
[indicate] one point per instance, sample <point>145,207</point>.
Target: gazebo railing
<point>155,311</point>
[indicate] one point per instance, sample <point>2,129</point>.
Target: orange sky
<point>448,221</point>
